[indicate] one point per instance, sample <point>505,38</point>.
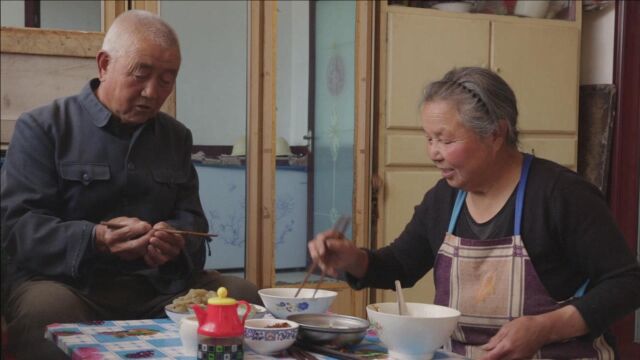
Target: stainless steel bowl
<point>330,329</point>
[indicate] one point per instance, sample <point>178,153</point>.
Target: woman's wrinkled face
<point>134,85</point>
<point>459,153</point>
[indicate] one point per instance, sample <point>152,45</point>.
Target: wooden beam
<point>253,265</point>
<point>362,152</point>
<point>110,11</point>
<point>267,152</point>
<point>50,42</point>
<point>148,5</point>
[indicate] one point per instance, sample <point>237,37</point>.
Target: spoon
<point>402,306</point>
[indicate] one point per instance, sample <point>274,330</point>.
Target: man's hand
<point>128,243</point>
<point>163,246</point>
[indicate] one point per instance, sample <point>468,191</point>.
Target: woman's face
<point>460,154</point>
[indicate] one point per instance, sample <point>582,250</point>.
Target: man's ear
<point>103,59</point>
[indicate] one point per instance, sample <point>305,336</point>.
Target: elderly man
<point>105,154</point>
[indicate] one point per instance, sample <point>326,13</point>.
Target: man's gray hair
<point>483,99</point>
<point>135,26</point>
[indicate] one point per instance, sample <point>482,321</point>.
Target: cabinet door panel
<point>403,191</point>
<point>541,65</point>
<point>407,149</point>
<point>422,49</point>
<point>560,149</point>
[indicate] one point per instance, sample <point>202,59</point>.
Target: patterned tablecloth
<point>159,339</point>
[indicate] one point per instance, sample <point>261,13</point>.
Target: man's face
<point>135,84</point>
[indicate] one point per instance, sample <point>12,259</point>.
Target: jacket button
<point>86,177</point>
<point>131,166</point>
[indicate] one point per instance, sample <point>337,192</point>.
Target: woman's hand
<point>334,253</point>
<point>522,337</point>
<point>517,339</point>
<point>128,243</point>
<point>163,246</point>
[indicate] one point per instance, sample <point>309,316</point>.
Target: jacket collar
<point>100,115</point>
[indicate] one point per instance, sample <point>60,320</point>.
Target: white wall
<point>597,46</point>
<point>292,88</point>
<point>212,85</point>
<point>71,15</point>
<point>12,13</point>
<point>211,90</point>
<point>59,14</point>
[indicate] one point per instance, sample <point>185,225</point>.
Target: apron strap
<point>522,186</point>
<point>457,206</point>
<point>581,290</point>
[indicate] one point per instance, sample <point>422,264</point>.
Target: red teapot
<point>220,319</point>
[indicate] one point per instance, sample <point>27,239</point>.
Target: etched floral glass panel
<point>315,116</point>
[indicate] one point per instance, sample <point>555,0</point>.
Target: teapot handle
<point>247,311</point>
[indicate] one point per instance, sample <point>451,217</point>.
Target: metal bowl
<point>330,329</point>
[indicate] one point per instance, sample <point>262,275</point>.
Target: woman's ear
<point>500,135</point>
<point>103,59</point>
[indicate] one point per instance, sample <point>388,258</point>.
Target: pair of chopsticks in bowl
<point>172,231</point>
<point>340,226</point>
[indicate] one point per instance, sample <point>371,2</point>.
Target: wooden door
<point>420,47</point>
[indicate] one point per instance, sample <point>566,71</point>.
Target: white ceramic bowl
<point>176,316</point>
<point>414,336</point>
<point>459,7</point>
<point>240,147</point>
<point>281,301</point>
<point>257,312</point>
<point>262,337</point>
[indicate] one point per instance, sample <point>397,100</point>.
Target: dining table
<point>160,339</point>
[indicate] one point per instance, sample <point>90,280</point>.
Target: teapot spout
<point>201,314</point>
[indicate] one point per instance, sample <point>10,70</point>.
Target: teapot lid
<point>222,298</point>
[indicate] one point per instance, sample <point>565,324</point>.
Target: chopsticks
<point>326,350</point>
<point>172,231</point>
<point>299,354</point>
<point>304,281</point>
<point>340,226</point>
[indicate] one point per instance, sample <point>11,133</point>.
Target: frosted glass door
<point>334,112</point>
<point>211,100</point>
<point>315,115</point>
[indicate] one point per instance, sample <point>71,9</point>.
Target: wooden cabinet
<point>541,64</point>
<point>421,51</point>
<point>539,58</point>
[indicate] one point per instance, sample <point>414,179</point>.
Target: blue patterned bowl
<point>281,302</point>
<point>269,336</point>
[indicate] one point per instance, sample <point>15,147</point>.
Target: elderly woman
<point>528,247</point>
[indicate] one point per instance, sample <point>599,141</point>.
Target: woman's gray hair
<point>483,99</point>
<point>135,26</point>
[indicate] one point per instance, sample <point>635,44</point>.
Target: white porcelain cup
<point>532,8</point>
<point>189,335</point>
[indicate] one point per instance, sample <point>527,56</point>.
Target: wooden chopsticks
<point>306,277</point>
<point>300,354</point>
<point>173,231</point>
<point>340,226</point>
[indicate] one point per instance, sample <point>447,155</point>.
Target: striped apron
<point>492,282</point>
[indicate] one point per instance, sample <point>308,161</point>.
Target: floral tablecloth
<point>128,339</point>
<point>159,339</point>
